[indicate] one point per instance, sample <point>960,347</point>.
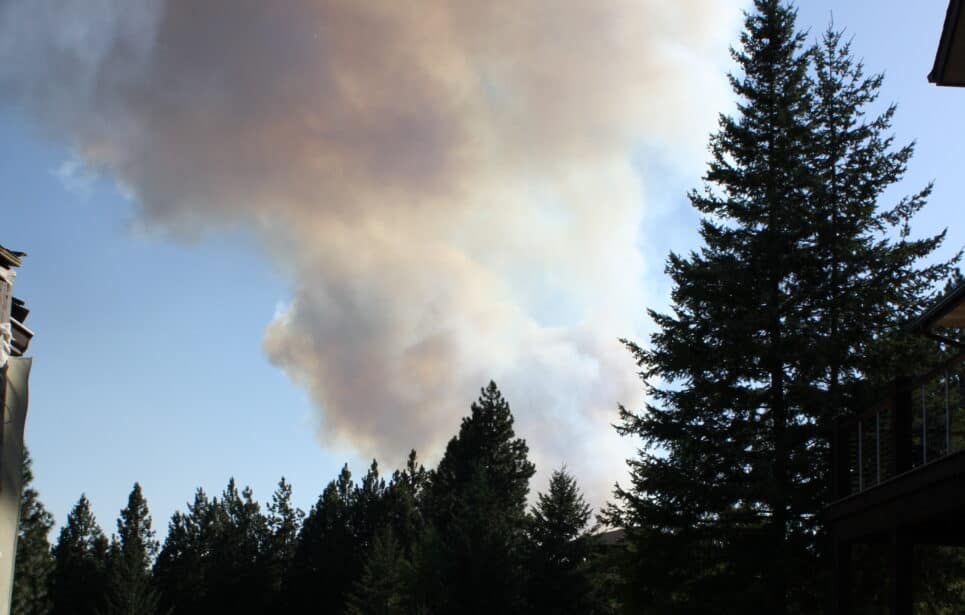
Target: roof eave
<point>10,258</point>
<point>949,30</point>
<point>945,305</point>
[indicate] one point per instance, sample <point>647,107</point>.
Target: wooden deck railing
<point>920,421</point>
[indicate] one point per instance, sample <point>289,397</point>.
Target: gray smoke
<point>449,182</point>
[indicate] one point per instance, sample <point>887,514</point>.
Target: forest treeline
<point>786,316</point>
<point>456,539</point>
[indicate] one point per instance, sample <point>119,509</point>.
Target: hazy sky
<point>266,241</point>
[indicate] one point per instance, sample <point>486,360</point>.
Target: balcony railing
<point>923,420</point>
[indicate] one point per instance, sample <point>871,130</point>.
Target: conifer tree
<point>178,571</point>
<point>132,553</point>
<point>869,279</point>
<point>724,499</point>
<point>382,587</point>
<point>368,508</point>
<point>236,576</point>
<point>326,560</point>
<point>414,475</point>
<point>403,504</point>
<point>486,444</point>
<point>471,561</point>
<point>284,522</point>
<point>559,551</point>
<point>80,570</point>
<point>34,565</point>
<point>708,506</point>
<point>865,283</point>
<point>184,566</point>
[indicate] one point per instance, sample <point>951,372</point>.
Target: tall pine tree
<point>485,445</point>
<point>237,579</point>
<point>709,497</point>
<point>382,588</point>
<point>327,561</point>
<point>770,328</point>
<point>869,278</point>
<point>284,522</point>
<point>368,508</point>
<point>471,560</point>
<point>559,553</point>
<point>33,567</point>
<point>403,504</point>
<point>790,300</point>
<point>183,570</point>
<point>80,570</point>
<point>131,587</point>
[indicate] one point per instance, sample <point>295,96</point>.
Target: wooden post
<point>841,581</point>
<point>901,599</point>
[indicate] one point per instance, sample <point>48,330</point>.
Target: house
<point>898,469</point>
<point>14,376</point>
<point>899,466</point>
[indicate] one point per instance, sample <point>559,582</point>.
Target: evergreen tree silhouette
<point>80,570</point>
<point>34,564</point>
<point>778,320</point>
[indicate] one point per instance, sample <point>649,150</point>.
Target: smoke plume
<point>450,183</point>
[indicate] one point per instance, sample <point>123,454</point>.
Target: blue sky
<point>149,363</point>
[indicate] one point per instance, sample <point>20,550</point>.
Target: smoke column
<point>450,184</point>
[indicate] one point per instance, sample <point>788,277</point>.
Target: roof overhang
<point>13,311</point>
<point>949,68</point>
<point>10,258</point>
<point>948,312</point>
<point>21,338</point>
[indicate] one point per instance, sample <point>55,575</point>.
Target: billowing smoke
<point>451,183</point>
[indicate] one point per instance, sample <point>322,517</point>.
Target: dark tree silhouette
<point>284,522</point>
<point>778,313</point>
<point>34,565</point>
<point>382,588</point>
<point>472,560</point>
<point>183,570</point>
<point>131,587</point>
<point>327,560</point>
<point>80,571</point>
<point>559,557</point>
